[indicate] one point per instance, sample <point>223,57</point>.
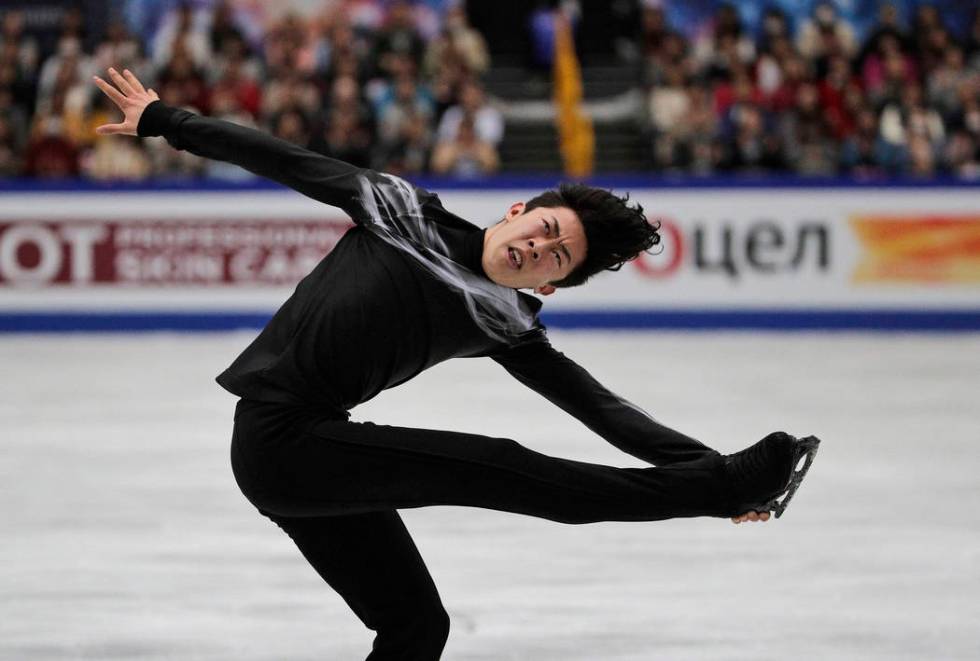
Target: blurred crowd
<point>812,98</point>
<point>396,85</point>
<point>370,83</point>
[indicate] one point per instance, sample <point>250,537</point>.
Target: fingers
<point>111,92</point>
<point>133,81</point>
<point>121,82</point>
<point>111,129</point>
<point>751,516</point>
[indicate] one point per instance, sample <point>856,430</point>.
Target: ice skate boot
<point>763,477</point>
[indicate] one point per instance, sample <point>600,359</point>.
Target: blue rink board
<point>891,320</point>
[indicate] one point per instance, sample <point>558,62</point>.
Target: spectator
<point>672,53</point>
<point>922,157</point>
<point>235,54</point>
<point>967,116</point>
<point>731,97</point>
<point>793,73</point>
<point>670,102</point>
<point>183,30</point>
<point>775,27</point>
<point>752,147</point>
<point>15,116</point>
<point>289,90</point>
<point>910,118</point>
<point>404,133</point>
<point>68,67</point>
<point>343,136</point>
<point>116,160</point>
<point>807,135</point>
<point>291,125</point>
<point>456,56</point>
<point>465,156</point>
<point>10,165</point>
<point>727,48</point>
<point>840,93</point>
<point>24,51</point>
<point>700,151</point>
<point>458,46</point>
<point>241,87</point>
<point>770,63</point>
<point>865,154</point>
<point>341,50</point>
<point>399,37</point>
<point>889,26</point>
<point>934,49</point>
<point>960,156</point>
<point>50,154</point>
<point>887,71</point>
<point>487,121</point>
<point>185,79</point>
<point>824,35</point>
<point>224,31</point>
<point>925,22</point>
<point>122,50</point>
<point>16,82</point>
<point>406,152</point>
<point>284,43</point>
<point>669,109</point>
<point>345,131</point>
<point>945,81</point>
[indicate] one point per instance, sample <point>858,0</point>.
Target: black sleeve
<point>325,179</point>
<point>566,384</point>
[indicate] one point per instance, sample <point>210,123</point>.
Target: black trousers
<point>334,487</point>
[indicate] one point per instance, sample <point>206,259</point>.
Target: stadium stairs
<point>613,98</point>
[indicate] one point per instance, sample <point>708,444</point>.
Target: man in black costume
<point>409,286</point>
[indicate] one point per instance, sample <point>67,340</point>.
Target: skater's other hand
<point>751,516</point>
<point>131,98</point>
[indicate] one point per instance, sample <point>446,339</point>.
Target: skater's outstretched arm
<point>325,179</point>
<point>569,386</point>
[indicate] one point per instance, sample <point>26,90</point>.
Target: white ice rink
<point>125,537</point>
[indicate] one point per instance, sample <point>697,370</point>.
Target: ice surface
<point>125,537</point>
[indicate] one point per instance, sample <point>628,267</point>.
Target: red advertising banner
<point>161,252</point>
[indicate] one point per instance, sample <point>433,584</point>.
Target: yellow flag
<point>576,138</point>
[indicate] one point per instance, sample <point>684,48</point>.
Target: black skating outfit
<point>371,316</point>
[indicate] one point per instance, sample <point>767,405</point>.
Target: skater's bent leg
<point>337,467</point>
<point>372,562</point>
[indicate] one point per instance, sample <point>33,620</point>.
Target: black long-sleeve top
<point>371,315</point>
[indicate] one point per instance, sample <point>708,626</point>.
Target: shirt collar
<point>472,253</point>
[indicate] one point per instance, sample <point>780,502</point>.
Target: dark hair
<point>615,231</point>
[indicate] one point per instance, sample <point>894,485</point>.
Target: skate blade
<point>806,446</point>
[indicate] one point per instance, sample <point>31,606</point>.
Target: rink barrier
<point>736,320</point>
<point>739,253</point>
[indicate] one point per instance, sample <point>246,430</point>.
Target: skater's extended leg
<point>328,467</point>
<point>372,562</point>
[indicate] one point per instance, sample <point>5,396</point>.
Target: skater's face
<point>530,250</point>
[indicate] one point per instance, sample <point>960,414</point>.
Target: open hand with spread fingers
<point>131,98</point>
